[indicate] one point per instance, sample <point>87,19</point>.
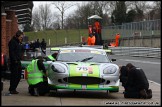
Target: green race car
<point>83,68</point>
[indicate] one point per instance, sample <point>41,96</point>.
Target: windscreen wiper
<point>86,59</point>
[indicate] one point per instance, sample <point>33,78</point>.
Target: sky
<point>73,8</point>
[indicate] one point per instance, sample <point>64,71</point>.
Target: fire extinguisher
<point>2,59</point>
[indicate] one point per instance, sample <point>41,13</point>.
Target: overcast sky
<point>72,9</point>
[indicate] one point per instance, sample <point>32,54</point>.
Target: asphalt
<point>82,98</point>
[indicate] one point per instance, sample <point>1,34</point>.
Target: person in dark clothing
<point>37,44</point>
<point>123,75</point>
<point>137,85</point>
<point>15,55</point>
<point>43,46</point>
<point>40,88</point>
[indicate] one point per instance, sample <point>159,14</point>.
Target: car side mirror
<point>113,59</point>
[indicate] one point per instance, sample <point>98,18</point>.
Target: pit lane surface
<point>77,98</point>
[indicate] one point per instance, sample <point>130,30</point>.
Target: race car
<point>83,68</point>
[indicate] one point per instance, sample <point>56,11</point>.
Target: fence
<point>143,28</point>
<point>137,51</point>
<point>136,29</point>
<point>59,37</point>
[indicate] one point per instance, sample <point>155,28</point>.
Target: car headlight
<point>58,69</point>
<point>110,70</point>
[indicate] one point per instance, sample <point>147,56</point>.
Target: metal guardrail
<point>142,28</point>
<point>67,44</point>
<point>131,51</point>
<point>137,51</point>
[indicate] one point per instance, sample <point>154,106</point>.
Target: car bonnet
<point>84,69</point>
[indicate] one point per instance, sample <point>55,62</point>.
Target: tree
<point>36,19</point>
<point>27,28</point>
<point>156,12</point>
<point>119,14</point>
<point>45,15</point>
<point>131,15</point>
<point>62,7</point>
<point>42,17</point>
<point>140,14</point>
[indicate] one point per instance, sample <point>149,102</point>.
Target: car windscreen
<point>92,56</point>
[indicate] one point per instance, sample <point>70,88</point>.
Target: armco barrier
<point>137,51</point>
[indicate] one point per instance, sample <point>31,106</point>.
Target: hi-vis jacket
<point>34,75</point>
<point>51,58</point>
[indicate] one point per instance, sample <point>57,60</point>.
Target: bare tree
<point>36,20</point>
<point>45,15</point>
<point>156,12</point>
<point>42,17</point>
<point>62,6</point>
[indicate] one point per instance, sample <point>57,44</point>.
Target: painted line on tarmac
<point>140,61</point>
<point>154,82</point>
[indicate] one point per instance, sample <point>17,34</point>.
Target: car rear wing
<point>93,46</point>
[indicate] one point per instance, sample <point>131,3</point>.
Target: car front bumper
<point>110,83</point>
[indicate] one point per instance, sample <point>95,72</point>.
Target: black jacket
<point>137,79</point>
<point>15,50</point>
<point>123,75</point>
<point>42,67</point>
<point>43,45</point>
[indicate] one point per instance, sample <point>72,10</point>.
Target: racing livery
<point>83,68</point>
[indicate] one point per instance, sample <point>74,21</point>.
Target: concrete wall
<point>151,41</point>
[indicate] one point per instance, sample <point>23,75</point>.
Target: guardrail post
<point>65,40</point>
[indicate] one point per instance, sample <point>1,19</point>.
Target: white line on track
<point>141,61</point>
<point>154,82</point>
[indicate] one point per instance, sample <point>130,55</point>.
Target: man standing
<point>117,39</point>
<point>15,54</point>
<point>97,26</point>
<point>43,46</point>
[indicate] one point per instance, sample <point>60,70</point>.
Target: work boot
<point>14,92</point>
<point>36,93</point>
<point>143,94</point>
<point>149,93</point>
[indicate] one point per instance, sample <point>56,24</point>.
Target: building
<point>13,13</point>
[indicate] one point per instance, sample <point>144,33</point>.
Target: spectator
<point>43,46</point>
<point>37,44</point>
<point>32,45</point>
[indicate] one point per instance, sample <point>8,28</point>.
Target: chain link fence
<point>142,28</point>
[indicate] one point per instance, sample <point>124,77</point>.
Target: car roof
<point>79,48</point>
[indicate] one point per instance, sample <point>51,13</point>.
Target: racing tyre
<point>113,90</point>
